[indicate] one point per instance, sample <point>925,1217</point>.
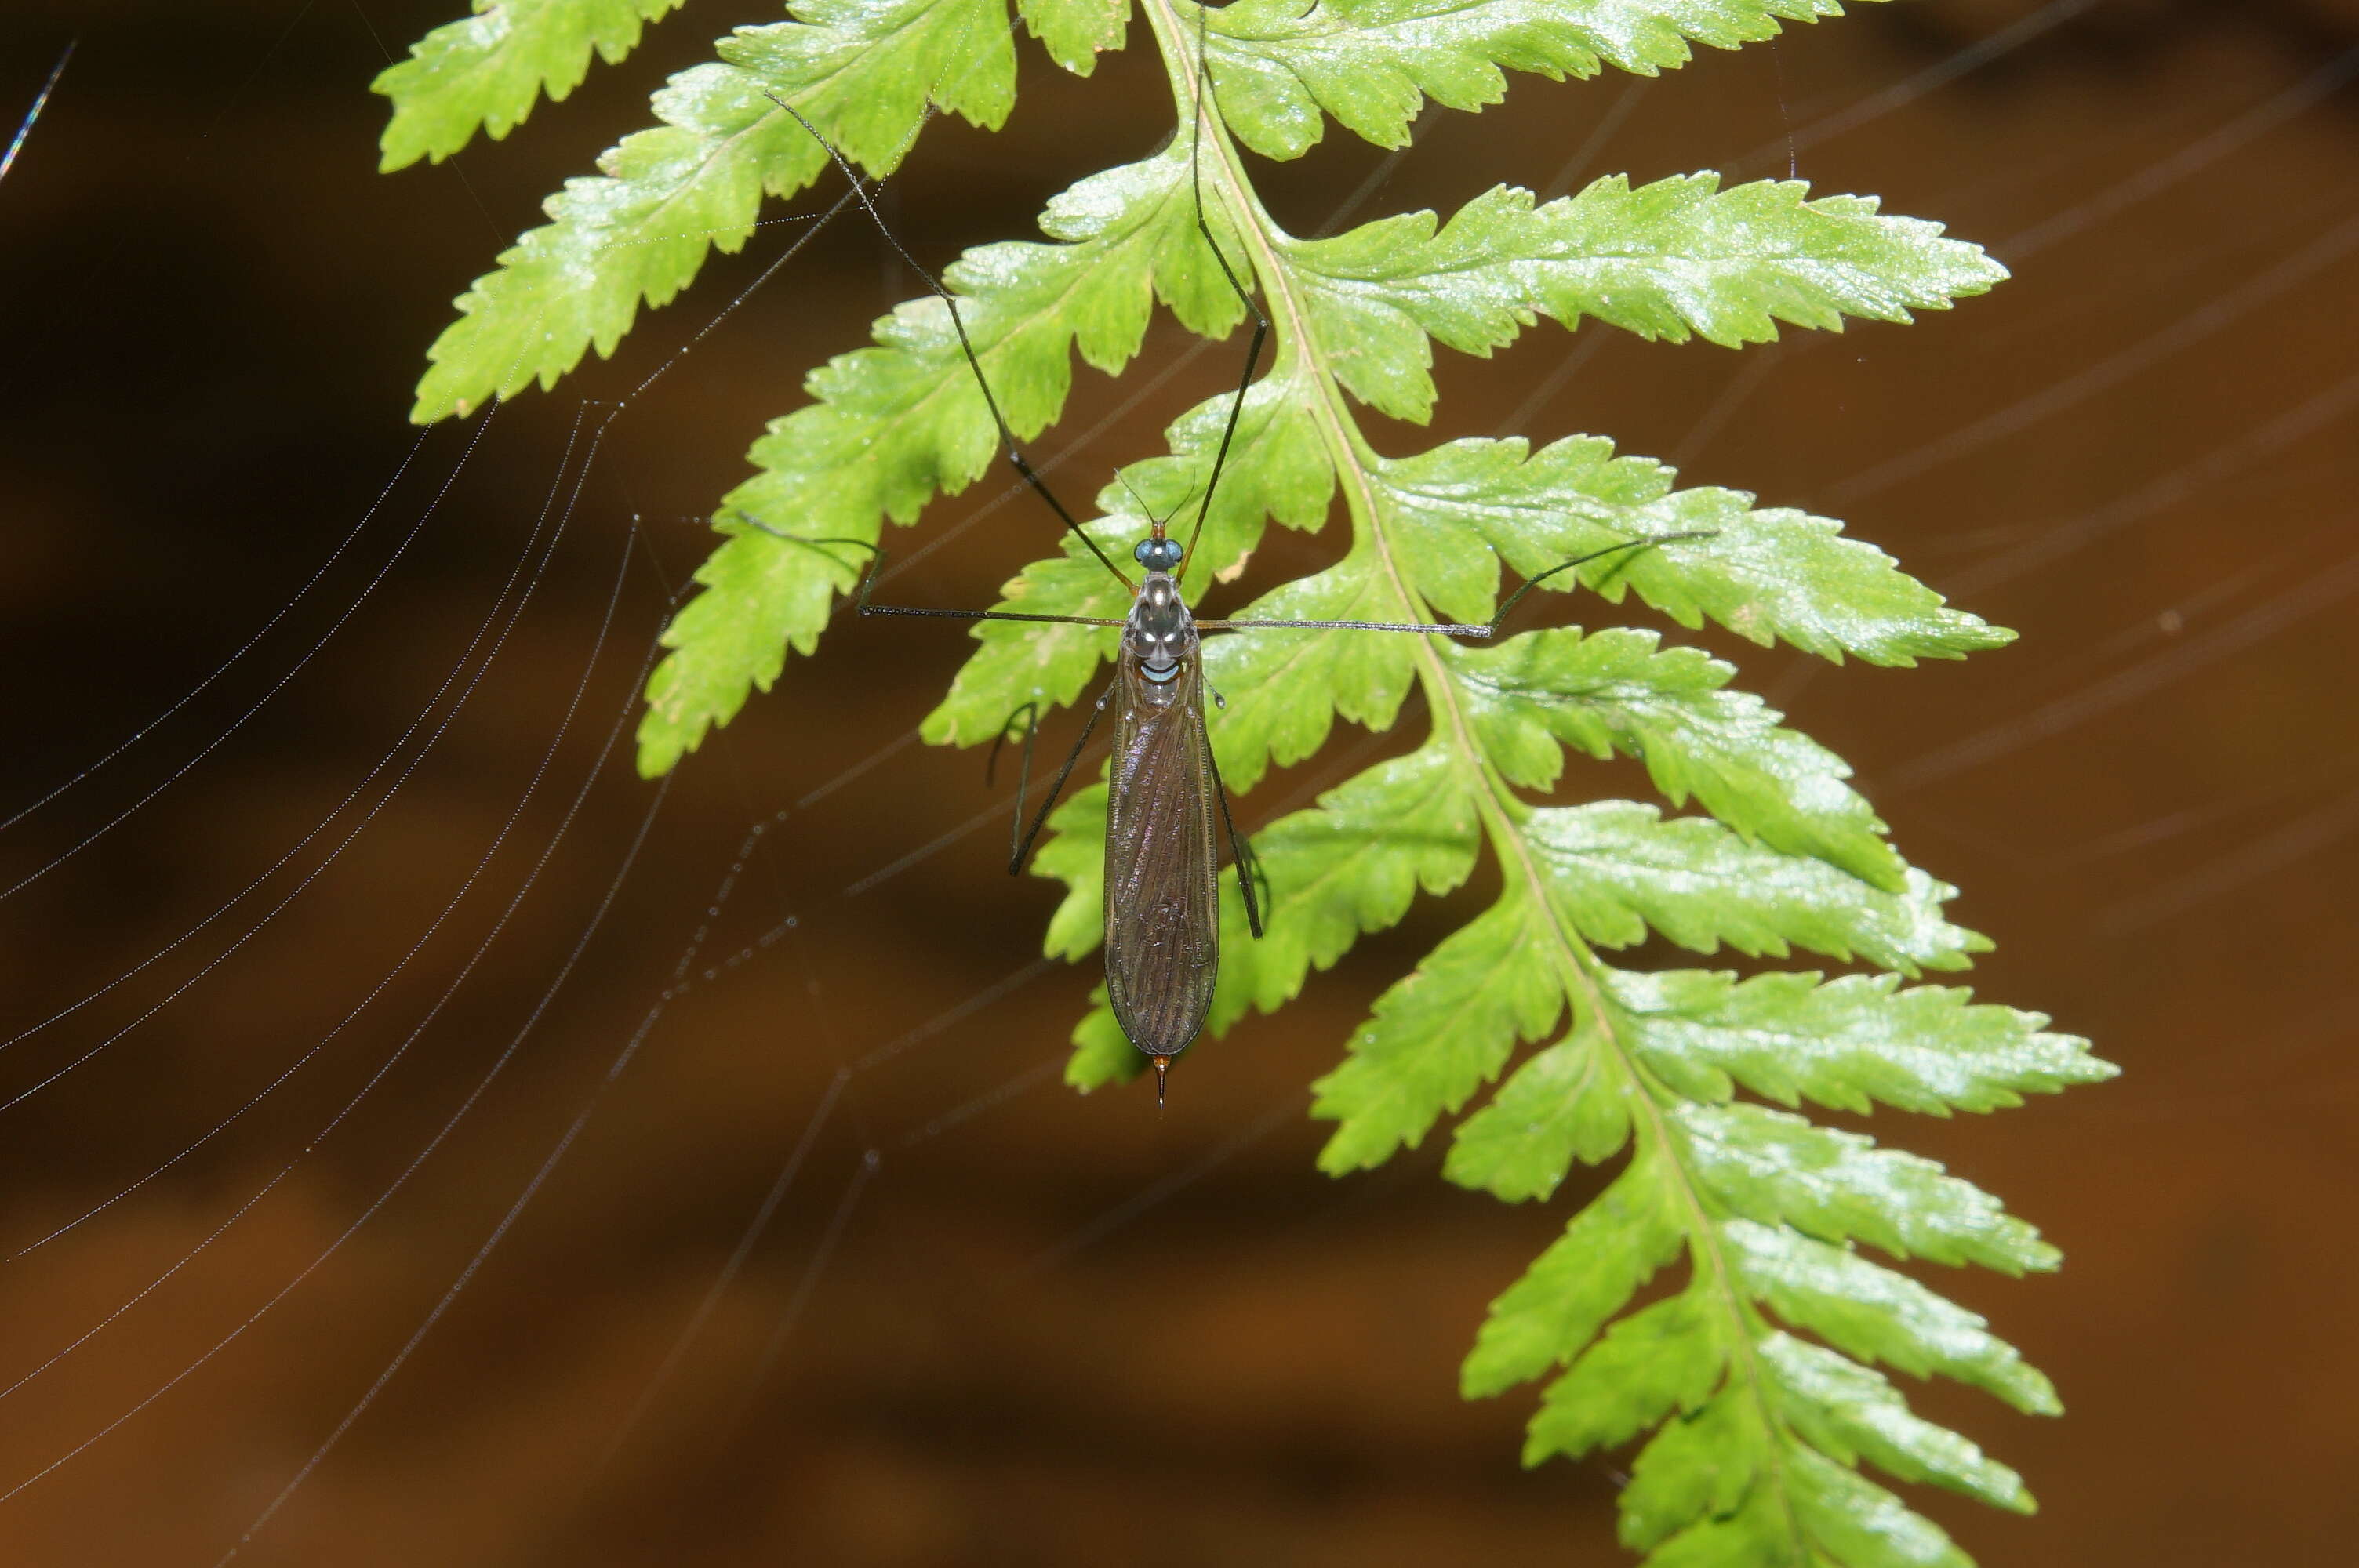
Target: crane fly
<point>1166,808</point>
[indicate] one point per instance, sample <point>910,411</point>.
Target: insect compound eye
<point>1158,555</point>
<point>1141,550</point>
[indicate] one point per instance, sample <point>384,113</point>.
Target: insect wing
<point>1162,898</point>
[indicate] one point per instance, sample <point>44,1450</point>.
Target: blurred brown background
<point>1039,1328</point>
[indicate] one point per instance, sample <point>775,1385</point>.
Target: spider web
<point>427,1138</point>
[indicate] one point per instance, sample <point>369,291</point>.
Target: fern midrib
<point>1496,803</point>
<point>1684,267</point>
<point>1502,812</point>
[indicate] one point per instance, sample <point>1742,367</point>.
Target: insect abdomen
<point>1161,869</point>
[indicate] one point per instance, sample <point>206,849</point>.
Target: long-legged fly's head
<point>1158,554</point>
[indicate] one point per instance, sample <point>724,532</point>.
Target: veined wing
<point>1163,900</point>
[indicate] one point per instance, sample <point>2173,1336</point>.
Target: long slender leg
<point>1489,629</point>
<point>812,545</point>
<point>1248,863</point>
<point>869,583</point>
<point>1024,845</point>
<point>1015,456</point>
<point>1030,713</point>
<point>1532,583</point>
<point>1450,628</point>
<point>1261,322</point>
<point>876,562</point>
<point>1250,869</point>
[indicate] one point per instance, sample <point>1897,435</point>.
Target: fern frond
<point>1755,1212</point>
<point>1847,1043</point>
<point>865,72</point>
<point>1873,1314</point>
<point>486,73</point>
<point>1618,869</point>
<point>1075,32</point>
<point>1772,574</point>
<point>1619,690</point>
<point>1278,64</point>
<point>1667,260</point>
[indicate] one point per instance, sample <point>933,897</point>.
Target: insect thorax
<point>1160,634</point>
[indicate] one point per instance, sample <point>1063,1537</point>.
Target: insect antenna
<point>1015,456</point>
<point>1156,525</point>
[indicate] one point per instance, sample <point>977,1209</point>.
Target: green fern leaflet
<point>1755,1365</point>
